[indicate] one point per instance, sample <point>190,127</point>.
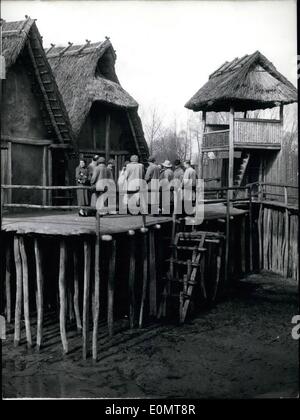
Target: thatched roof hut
<point>37,139</point>
<point>22,42</point>
<point>86,76</point>
<point>247,83</point>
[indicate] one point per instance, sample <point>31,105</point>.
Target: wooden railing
<point>247,132</point>
<point>257,131</point>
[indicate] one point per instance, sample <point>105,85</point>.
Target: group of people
<point>129,177</point>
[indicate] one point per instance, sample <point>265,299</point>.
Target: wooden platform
<point>68,224</point>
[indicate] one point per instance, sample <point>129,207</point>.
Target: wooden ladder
<point>186,263</point>
<point>55,118</point>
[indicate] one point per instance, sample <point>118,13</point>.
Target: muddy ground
<point>242,348</point>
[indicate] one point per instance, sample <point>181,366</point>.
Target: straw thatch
<point>17,38</point>
<point>247,83</point>
<point>86,74</point>
<point>14,36</point>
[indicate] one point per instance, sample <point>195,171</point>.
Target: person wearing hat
<point>189,180</point>
<point>110,168</point>
<point>92,165</point>
<point>99,173</point>
<point>178,171</point>
<point>166,176</point>
<point>81,175</point>
<point>166,173</point>
<point>152,179</point>
<point>134,175</point>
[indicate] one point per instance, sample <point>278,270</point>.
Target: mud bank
<point>242,348</point>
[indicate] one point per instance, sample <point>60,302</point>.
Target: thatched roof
<point>21,40</point>
<point>247,83</point>
<point>79,74</point>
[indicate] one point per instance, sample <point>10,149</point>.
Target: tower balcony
<point>249,133</point>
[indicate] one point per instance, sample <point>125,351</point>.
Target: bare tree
<point>153,127</point>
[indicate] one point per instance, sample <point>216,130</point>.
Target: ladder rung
<point>181,262</point>
<point>188,248</point>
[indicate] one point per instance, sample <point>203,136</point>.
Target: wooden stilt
<point>25,291</point>
<point>97,289</point>
<point>243,245</point>
<point>286,230</point>
<point>39,294</point>
<point>19,289</point>
<point>227,238</point>
<point>86,294</point>
<point>62,295</point>
<point>132,282</point>
<point>152,275</point>
<point>145,279</point>
<point>76,291</point>
<point>219,261</point>
<point>8,284</point>
<point>111,289</point>
<point>250,231</point>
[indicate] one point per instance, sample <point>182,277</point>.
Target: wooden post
<point>243,245</point>
<point>281,113</point>
<point>86,294</point>
<point>44,175</point>
<point>107,137</point>
<point>227,237</point>
<point>250,231</point>
<point>76,291</point>
<point>40,285</point>
<point>97,288</point>
<point>49,175</point>
<point>200,145</point>
<point>19,289</point>
<point>152,274</point>
<point>145,278</point>
<point>111,289</point>
<point>132,280</point>
<point>8,284</point>
<point>286,229</point>
<point>9,171</point>
<point>62,295</point>
<point>231,151</point>
<point>25,291</point>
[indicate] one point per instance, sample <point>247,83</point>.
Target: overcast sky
<point>167,49</point>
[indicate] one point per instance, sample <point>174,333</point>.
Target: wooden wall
<point>23,135</point>
<point>92,135</point>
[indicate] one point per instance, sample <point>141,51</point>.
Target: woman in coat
<point>82,179</point>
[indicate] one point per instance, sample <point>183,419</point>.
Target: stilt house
<point>245,149</point>
<point>103,115</point>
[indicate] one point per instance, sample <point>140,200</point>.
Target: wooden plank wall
<point>278,242</point>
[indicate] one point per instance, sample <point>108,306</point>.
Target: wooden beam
<point>76,290</point>
<point>132,266</point>
<point>40,285</point>
<point>19,290</point>
<point>49,176</point>
<point>231,150</point>
<point>62,295</point>
<point>9,171</point>
<point>152,275</point>
<point>86,295</point>
<point>111,289</point>
<point>25,291</point>
<point>8,283</point>
<point>145,278</point>
<point>97,288</point>
<point>44,175</point>
<point>107,137</point>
